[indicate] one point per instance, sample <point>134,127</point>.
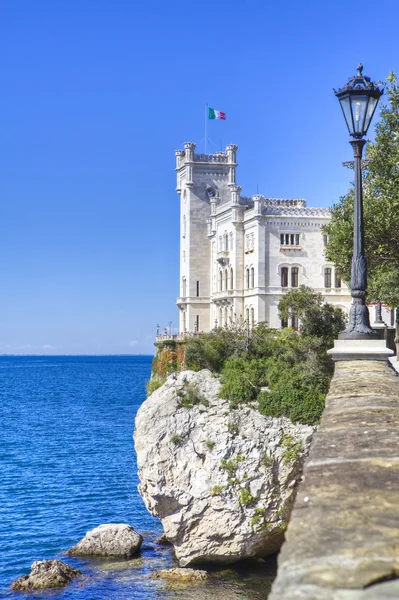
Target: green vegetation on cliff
<point>287,372</point>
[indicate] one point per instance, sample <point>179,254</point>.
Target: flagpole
<point>206,123</point>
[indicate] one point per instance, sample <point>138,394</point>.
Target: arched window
<point>294,277</point>
<point>252,277</point>
<point>231,315</point>
<point>220,243</point>
<point>327,277</point>
<point>231,241</point>
<point>226,279</point>
<point>184,226</point>
<point>184,287</point>
<point>247,278</point>
<point>220,317</point>
<point>252,317</point>
<point>284,277</point>
<point>225,317</point>
<point>247,317</point>
<point>338,282</point>
<point>231,278</point>
<point>220,280</point>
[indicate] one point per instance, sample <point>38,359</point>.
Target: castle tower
<point>203,181</point>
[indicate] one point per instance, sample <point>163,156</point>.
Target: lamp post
<point>358,100</point>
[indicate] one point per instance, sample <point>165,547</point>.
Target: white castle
<point>239,255</point>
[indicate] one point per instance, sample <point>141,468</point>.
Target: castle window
<point>198,289</point>
<point>252,277</point>
<point>231,241</point>
<point>184,287</point>
<point>338,282</point>
<point>196,324</point>
<point>247,278</point>
<point>289,239</point>
<point>247,316</point>
<point>220,243</point>
<point>294,321</point>
<point>284,277</point>
<point>294,277</point>
<point>231,279</point>
<point>220,281</point>
<point>327,277</point>
<point>184,226</point>
<point>225,317</point>
<point>252,317</point>
<point>225,242</point>
<point>220,317</point>
<point>325,239</point>
<point>231,315</point>
<point>226,280</point>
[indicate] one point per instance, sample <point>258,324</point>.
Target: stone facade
<point>239,255</point>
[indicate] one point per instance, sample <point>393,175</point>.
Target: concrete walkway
<point>342,542</point>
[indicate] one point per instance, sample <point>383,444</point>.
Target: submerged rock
<point>112,540</point>
<point>45,574</point>
<point>222,481</point>
<point>179,574</point>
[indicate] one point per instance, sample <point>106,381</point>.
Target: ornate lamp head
<point>358,100</point>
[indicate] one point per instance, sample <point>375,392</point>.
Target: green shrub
<point>154,383</point>
<point>293,449</point>
<point>289,399</point>
<point>176,439</point>
<point>246,498</point>
<point>242,380</point>
<point>229,465</point>
<point>217,489</point>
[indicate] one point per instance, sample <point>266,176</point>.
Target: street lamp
<point>358,99</point>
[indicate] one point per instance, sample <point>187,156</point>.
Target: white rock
<point>217,478</point>
<point>111,539</point>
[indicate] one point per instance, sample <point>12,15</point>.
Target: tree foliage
<point>381,209</point>
<point>318,319</point>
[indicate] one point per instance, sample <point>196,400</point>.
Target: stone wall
<point>342,542</point>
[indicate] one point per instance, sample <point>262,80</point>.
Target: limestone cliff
<point>222,481</point>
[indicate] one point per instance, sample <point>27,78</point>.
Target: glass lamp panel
<point>369,113</point>
<point>359,107</point>
<point>346,109</point>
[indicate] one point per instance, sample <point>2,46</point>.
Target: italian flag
<point>216,114</point>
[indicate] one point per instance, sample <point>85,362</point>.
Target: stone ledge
<point>360,350</point>
<point>342,539</point>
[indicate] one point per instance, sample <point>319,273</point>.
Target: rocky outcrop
<point>109,540</point>
<point>183,575</point>
<point>45,574</point>
<point>222,481</point>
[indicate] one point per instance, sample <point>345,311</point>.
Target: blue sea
<point>67,464</point>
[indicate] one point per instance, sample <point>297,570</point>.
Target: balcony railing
<point>176,337</point>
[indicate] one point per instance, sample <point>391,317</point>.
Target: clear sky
<point>96,95</point>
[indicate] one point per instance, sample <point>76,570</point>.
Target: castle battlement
<point>189,156</point>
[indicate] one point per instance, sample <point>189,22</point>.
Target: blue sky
<point>96,96</point>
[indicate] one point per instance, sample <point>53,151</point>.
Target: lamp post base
<point>360,349</point>
<point>359,320</point>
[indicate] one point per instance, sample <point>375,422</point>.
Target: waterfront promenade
<point>342,542</point>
